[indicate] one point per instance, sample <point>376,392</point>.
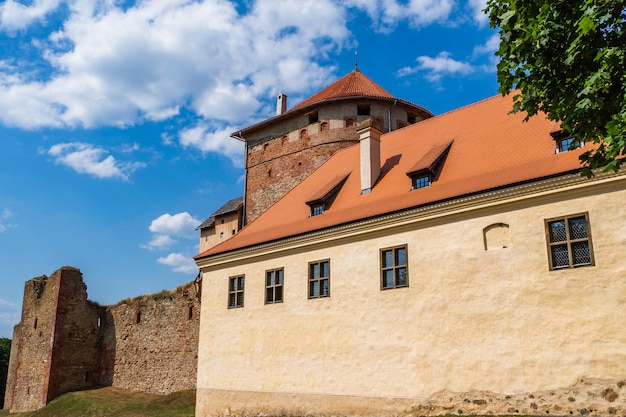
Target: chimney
<point>281,104</point>
<point>369,138</point>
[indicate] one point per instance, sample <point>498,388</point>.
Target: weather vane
<point>356,59</point>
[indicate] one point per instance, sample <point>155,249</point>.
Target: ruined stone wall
<point>156,341</point>
<point>65,342</point>
<point>76,352</point>
<point>31,348</point>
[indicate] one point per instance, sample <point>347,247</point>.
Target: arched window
<point>303,134</point>
<point>349,122</point>
<point>323,126</point>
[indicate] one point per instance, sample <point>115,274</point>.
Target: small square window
<point>411,118</point>
<point>564,145</point>
<point>569,242</point>
<point>317,209</point>
<point>274,286</point>
<point>393,267</point>
<point>313,117</point>
<point>319,279</point>
<point>420,181</point>
<point>363,110</point>
<point>235,291</point>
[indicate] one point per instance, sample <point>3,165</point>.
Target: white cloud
<point>158,242</point>
<point>4,216</point>
<point>88,159</point>
<point>5,303</point>
<point>438,66</point>
<point>181,224</point>
<point>207,140</point>
<point>114,66</point>
<point>9,315</point>
<point>478,15</point>
<point>387,14</point>
<point>489,47</point>
<point>179,262</point>
<point>15,15</point>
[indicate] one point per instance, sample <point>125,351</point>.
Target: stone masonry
<point>64,342</point>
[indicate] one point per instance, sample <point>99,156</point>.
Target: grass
<point>115,402</point>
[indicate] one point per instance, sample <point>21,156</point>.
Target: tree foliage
<point>5,351</point>
<point>567,58</point>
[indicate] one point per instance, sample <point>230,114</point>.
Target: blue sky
<point>115,116</point>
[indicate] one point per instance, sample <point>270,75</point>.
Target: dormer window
<point>427,168</point>
<point>317,209</point>
<point>420,181</point>
<point>564,141</point>
<point>565,144</point>
<point>324,198</point>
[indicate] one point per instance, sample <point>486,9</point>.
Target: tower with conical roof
<point>285,149</point>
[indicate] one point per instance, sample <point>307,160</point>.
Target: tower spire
<point>356,60</point>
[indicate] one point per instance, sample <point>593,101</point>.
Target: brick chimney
<point>369,137</point>
<point>281,104</point>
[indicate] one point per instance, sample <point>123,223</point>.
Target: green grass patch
<point>115,402</point>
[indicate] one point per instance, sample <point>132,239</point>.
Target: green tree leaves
<point>567,58</point>
<point>5,352</point>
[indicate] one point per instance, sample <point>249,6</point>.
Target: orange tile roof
<point>352,85</point>
<point>491,149</point>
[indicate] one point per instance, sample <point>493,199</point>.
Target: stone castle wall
<point>275,167</point>
<point>153,341</point>
<point>65,342</point>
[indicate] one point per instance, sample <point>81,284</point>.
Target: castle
<point>458,265</point>
<point>382,260</point>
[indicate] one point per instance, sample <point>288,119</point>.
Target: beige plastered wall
<point>219,232</point>
<point>472,319</point>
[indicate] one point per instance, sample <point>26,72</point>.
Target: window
<point>316,210</point>
<point>235,291</point>
<point>313,117</point>
<point>393,267</point>
<point>324,126</point>
<point>563,145</point>
<point>303,134</point>
<point>350,122</point>
<point>569,242</point>
<point>363,110</point>
<point>421,181</point>
<point>411,118</point>
<point>274,286</point>
<point>319,279</point>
